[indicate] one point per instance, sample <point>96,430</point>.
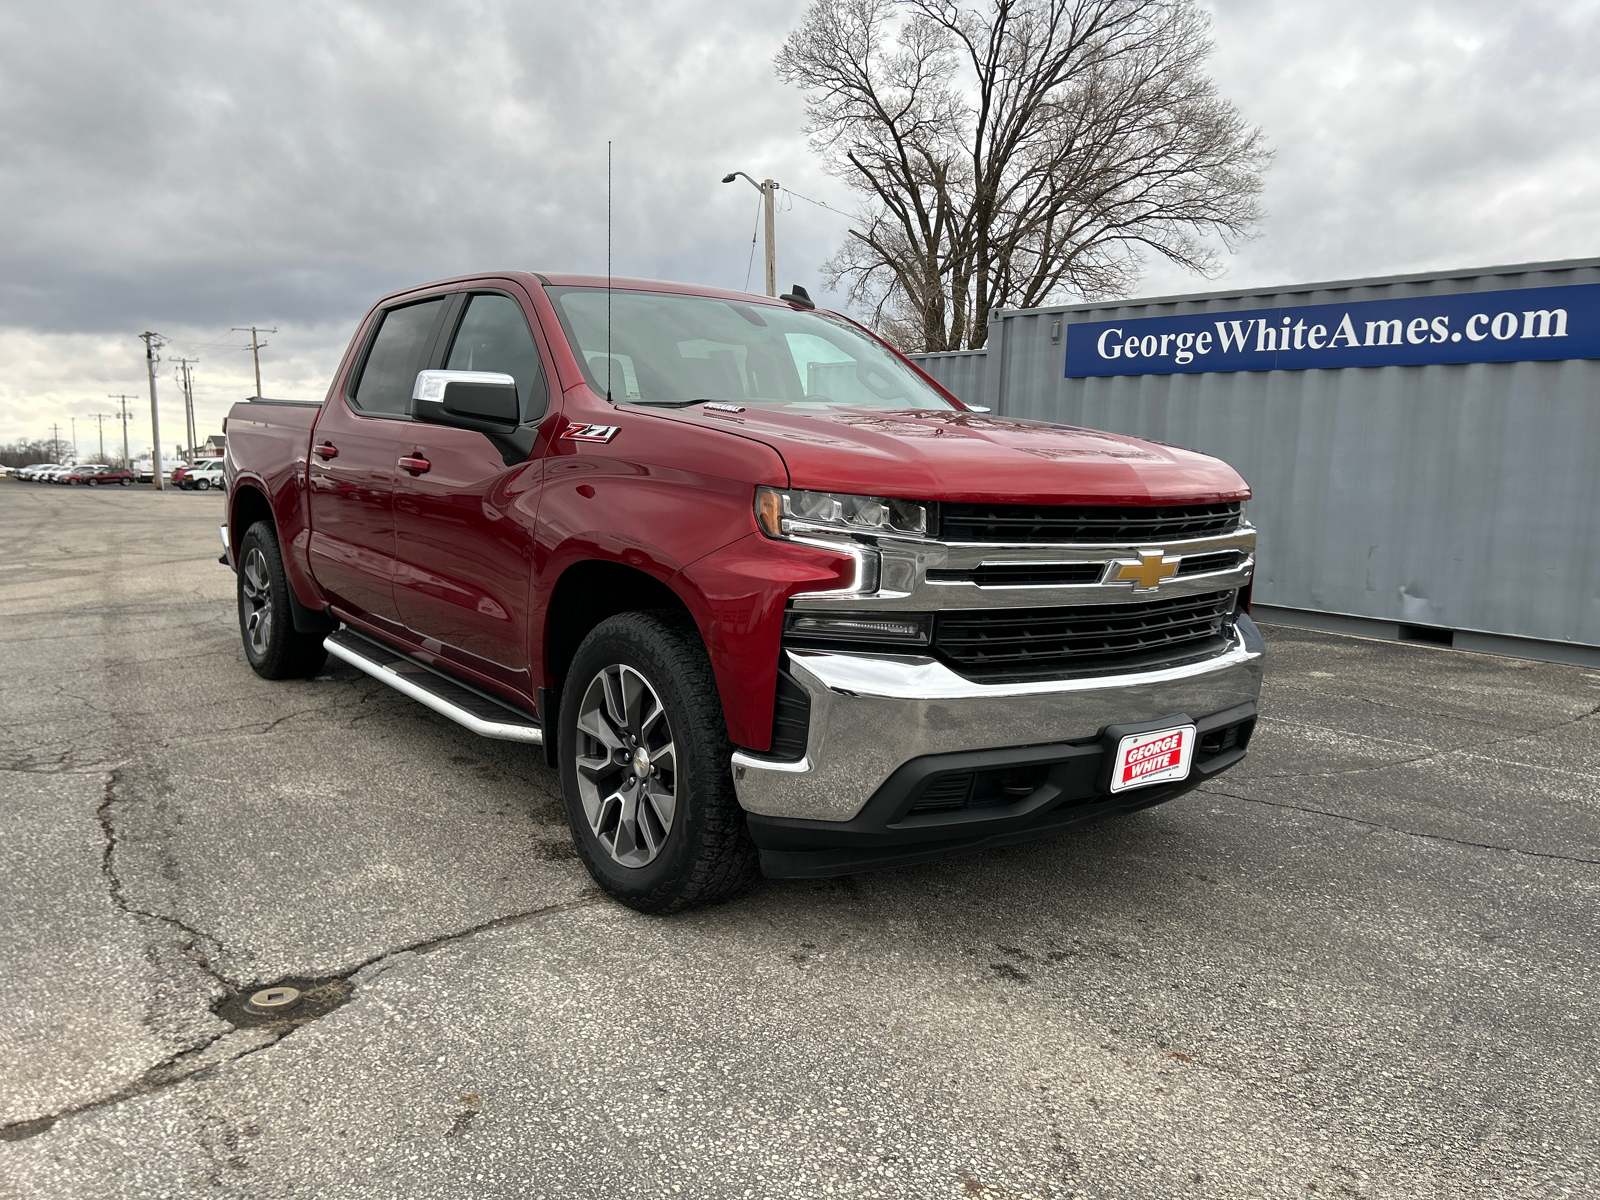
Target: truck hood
<point>952,455</point>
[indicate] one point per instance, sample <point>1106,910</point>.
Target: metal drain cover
<point>269,1001</point>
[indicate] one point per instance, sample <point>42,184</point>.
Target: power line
<point>819,204</point>
<point>754,229</point>
<point>199,347</point>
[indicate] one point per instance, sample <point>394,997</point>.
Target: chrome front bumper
<point>872,712</point>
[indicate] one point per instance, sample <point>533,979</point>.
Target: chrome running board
<point>449,697</point>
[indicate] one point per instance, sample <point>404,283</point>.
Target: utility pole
<point>74,421</point>
<point>152,343</point>
<point>123,398</point>
<point>55,442</point>
<point>769,191</point>
<point>100,422</point>
<point>186,379</point>
<point>255,347</point>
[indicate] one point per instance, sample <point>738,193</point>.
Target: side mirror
<point>485,401</point>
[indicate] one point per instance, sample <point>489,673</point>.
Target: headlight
<point>782,513</point>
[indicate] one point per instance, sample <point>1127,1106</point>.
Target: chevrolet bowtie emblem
<point>1146,574</point>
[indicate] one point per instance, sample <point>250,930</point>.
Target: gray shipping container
<point>1447,501</point>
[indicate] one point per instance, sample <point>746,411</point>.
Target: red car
<point>769,597</point>
<point>94,475</point>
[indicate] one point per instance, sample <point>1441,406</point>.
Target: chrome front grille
<point>1033,642</point>
<point>1020,608</point>
<point>1030,524</point>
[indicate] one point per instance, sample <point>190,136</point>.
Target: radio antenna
<point>610,362</point>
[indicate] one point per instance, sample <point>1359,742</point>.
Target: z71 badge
<point>591,433</point>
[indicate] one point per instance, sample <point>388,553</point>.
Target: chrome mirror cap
<point>430,385</point>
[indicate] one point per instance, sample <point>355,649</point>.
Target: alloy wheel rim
<point>627,766</point>
<point>255,590</point>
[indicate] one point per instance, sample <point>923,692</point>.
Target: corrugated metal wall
<point>959,371</point>
<point>1463,496</point>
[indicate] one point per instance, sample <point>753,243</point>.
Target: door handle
<point>326,450</point>
<point>415,463</point>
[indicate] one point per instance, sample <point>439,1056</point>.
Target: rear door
<point>358,439</point>
<point>464,520</point>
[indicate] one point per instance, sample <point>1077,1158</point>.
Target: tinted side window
<point>494,337</point>
<point>395,359</point>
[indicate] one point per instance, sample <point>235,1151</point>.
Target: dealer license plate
<point>1161,756</point>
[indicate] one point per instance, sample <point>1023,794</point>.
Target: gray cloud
<point>187,168</point>
<point>196,165</point>
<point>1413,136</point>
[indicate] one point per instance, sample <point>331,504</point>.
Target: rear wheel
<point>644,757</point>
<point>274,647</point>
<point>92,482</point>
<point>127,483</point>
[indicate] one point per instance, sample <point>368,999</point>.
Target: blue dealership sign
<point>1516,325</point>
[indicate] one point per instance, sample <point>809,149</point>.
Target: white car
<point>203,476</point>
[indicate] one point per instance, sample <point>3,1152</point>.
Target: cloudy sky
<point>187,168</point>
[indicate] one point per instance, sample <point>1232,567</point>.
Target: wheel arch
<point>246,506</point>
<point>588,592</point>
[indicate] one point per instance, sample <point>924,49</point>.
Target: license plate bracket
<point>1148,753</point>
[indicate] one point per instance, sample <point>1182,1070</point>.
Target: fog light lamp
<point>909,628</point>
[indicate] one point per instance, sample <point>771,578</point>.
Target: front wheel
<point>274,648</point>
<point>127,483</point>
<point>645,775</point>
<point>93,482</point>
<point>204,485</point>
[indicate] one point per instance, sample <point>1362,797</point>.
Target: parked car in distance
<point>203,476</point>
<point>53,473</point>
<point>95,474</point>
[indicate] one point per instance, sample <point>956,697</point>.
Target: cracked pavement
<point>1360,964</point>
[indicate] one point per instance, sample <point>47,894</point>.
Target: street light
<point>768,188</point>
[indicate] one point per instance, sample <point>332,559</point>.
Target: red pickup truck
<point>770,599</point>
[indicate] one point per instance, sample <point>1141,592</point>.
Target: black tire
<point>706,855</point>
<point>204,485</point>
<point>127,483</point>
<point>92,482</point>
<point>272,645</point>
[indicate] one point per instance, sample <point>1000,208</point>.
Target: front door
<point>465,507</point>
<point>355,447</point>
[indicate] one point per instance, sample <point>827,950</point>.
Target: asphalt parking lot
<point>1360,964</point>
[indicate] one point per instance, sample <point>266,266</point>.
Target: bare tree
<point>26,453</point>
<point>1021,154</point>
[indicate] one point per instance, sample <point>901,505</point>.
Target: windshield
<point>668,349</point>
